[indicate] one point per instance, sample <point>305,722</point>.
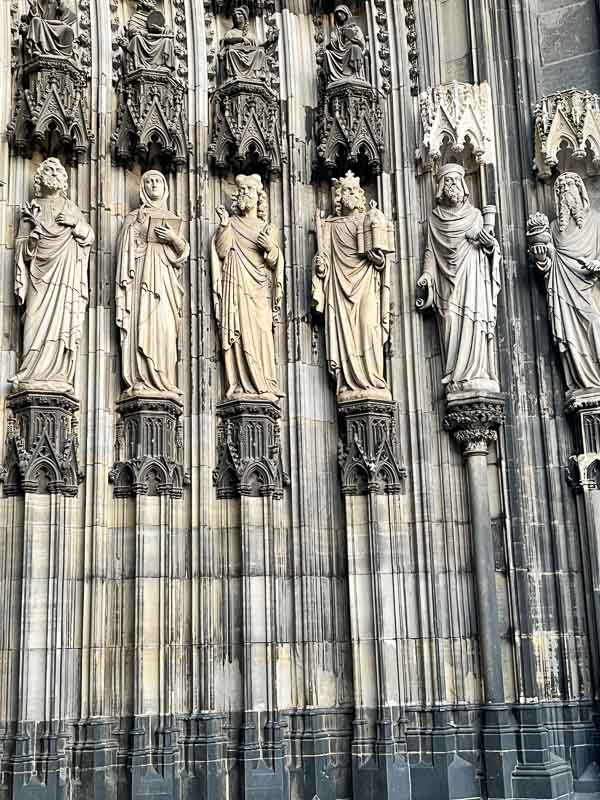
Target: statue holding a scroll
<point>351,290</point>
<point>149,295</point>
<point>461,282</point>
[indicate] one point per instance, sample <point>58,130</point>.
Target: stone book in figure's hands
<point>160,222</point>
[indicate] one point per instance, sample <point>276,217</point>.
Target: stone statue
<point>151,44</point>
<point>247,280</point>
<point>351,289</point>
<point>344,56</point>
<point>240,55</point>
<point>50,30</point>
<point>568,254</point>
<point>461,280</point>
<point>149,301</point>
<point>51,280</point>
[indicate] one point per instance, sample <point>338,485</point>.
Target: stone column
<point>372,481</point>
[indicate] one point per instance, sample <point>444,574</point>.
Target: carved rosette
<point>473,419</point>
<point>572,119</point>
<point>350,126</point>
<point>249,450</point>
<point>368,448</point>
<point>149,448</point>
<point>454,116</point>
<point>41,444</point>
<point>583,469</point>
<point>246,127</point>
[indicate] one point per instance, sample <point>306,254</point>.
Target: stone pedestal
<point>41,444</point>
<point>351,127</point>
<point>246,127</point>
<point>149,448</point>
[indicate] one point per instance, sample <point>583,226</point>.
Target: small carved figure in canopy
<point>240,55</point>
<point>151,44</point>
<point>49,28</point>
<point>344,56</point>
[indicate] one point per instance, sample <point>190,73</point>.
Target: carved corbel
<point>456,116</point>
<point>567,133</point>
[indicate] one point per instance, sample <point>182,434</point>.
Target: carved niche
<point>246,131</point>
<point>41,444</point>
<point>567,133</point>
<point>152,83</point>
<point>51,58</point>
<point>455,116</point>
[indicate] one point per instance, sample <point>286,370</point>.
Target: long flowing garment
<point>466,283</point>
<point>354,297</point>
<point>51,280</point>
<point>149,306</point>
<point>574,301</point>
<point>244,60</point>
<point>146,50</point>
<point>248,288</point>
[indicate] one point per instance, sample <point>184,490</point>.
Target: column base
<point>94,760</point>
<point>205,759</point>
<point>263,771</point>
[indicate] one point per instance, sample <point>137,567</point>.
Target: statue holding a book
<point>149,293</point>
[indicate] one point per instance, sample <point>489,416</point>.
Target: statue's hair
<point>256,181</point>
<point>566,178</point>
<point>37,181</point>
<point>349,181</point>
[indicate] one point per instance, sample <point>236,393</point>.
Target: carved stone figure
<point>51,280</point>
<point>351,289</point>
<point>151,255</point>
<point>461,280</point>
<point>247,280</point>
<point>50,29</point>
<point>344,56</point>
<point>240,55</point>
<point>568,254</point>
<point>151,44</point>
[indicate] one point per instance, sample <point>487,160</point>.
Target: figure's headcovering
<point>249,180</point>
<point>450,169</point>
<point>349,181</point>
<point>146,199</point>
<point>243,10</point>
<point>344,9</point>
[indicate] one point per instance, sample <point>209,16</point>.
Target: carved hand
<point>166,234</point>
<point>488,240</point>
<point>377,258</point>
<point>593,266</point>
<point>539,252</point>
<point>223,215</point>
<point>319,266</point>
<point>66,219</point>
<point>265,242</point>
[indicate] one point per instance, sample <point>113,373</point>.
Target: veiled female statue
<point>51,29</point>
<point>151,45</point>
<point>344,56</point>
<point>51,280</point>
<point>151,255</point>
<point>247,277</point>
<point>240,54</point>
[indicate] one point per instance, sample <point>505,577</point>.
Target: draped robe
<point>574,300</point>
<point>148,50</point>
<point>149,306</point>
<point>48,35</point>
<point>344,55</point>
<point>248,288</point>
<point>466,283</point>
<point>51,280</point>
<point>243,59</point>
<point>354,297</point>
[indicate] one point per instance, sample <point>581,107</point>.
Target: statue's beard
<point>244,204</point>
<point>570,206</point>
<point>51,183</point>
<point>454,196</point>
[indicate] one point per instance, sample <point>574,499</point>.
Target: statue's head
<point>342,14</point>
<point>147,5</point>
<point>250,197</point>
<point>240,17</point>
<point>452,188</point>
<point>51,178</point>
<point>572,199</point>
<point>154,190</point>
<point>349,195</point>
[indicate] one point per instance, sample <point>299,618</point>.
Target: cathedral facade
<point>300,386</point>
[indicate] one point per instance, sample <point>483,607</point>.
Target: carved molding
<point>383,38</point>
<point>41,445</point>
<point>571,120</point>
<point>474,419</point>
<point>249,450</point>
<point>454,116</point>
<point>149,448</point>
<point>368,448</point>
<point>410,20</point>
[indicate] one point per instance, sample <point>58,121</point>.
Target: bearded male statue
<point>461,282</point>
<point>51,280</point>
<point>568,254</point>
<point>350,288</point>
<point>247,281</point>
